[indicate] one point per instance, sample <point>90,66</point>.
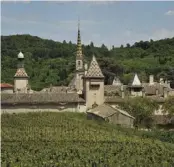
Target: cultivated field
<point>70,140</point>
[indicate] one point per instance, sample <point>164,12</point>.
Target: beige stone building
<point>85,91</point>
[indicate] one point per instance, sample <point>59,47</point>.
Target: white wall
<point>20,83</point>
<point>94,95</point>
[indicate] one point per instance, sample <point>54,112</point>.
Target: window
<point>78,63</point>
<point>94,87</point>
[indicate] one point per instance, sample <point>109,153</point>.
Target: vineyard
<point>70,140</point>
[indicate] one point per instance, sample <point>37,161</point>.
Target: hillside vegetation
<point>69,139</point>
<point>49,62</point>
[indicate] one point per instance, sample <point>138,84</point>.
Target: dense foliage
<point>68,139</point>
<point>48,62</point>
<point>142,109</point>
<point>169,105</point>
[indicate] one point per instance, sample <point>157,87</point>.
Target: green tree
<point>168,107</point>
<point>142,109</point>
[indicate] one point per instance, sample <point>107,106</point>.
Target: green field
<point>70,140</point>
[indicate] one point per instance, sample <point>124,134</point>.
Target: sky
<point>111,23</point>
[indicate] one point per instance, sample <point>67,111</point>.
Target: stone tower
<point>20,77</point>
<point>79,65</point>
<point>94,85</point>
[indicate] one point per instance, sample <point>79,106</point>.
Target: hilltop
<point>69,139</point>
<point>49,62</point>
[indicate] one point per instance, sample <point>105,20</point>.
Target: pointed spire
<point>136,81</point>
<point>94,70</point>
<point>79,45</point>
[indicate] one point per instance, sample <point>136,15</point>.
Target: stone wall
<point>119,118</point>
<point>7,90</point>
<point>74,107</point>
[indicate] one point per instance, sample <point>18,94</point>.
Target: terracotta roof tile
<point>21,73</point>
<point>6,85</point>
<point>94,69</point>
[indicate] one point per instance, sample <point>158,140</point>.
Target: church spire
<point>79,45</point>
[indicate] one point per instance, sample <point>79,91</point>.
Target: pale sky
<point>111,23</point>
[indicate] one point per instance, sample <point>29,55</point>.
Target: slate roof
<point>41,98</point>
<point>105,111</point>
<point>21,73</point>
<point>94,70</point>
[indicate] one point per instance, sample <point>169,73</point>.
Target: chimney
<point>143,92</point>
<point>151,80</point>
<point>122,92</point>
<point>161,81</point>
<point>86,68</point>
<point>165,92</point>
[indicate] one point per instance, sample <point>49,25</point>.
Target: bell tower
<point>79,64</point>
<point>20,77</point>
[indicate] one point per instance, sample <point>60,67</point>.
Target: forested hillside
<point>49,62</point>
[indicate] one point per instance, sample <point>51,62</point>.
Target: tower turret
<point>94,85</point>
<point>20,77</point>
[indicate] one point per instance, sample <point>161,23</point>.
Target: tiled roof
<point>94,69</point>
<point>41,98</point>
<point>21,73</point>
<point>6,85</point>
<point>114,99</point>
<point>55,89</point>
<point>118,99</point>
<point>105,111</point>
<point>112,89</point>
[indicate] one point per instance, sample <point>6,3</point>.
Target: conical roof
<point>94,70</point>
<point>79,45</point>
<point>21,73</point>
<point>116,81</point>
<point>136,81</point>
<point>20,55</point>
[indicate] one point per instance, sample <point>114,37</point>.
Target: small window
<point>79,63</point>
<point>94,87</point>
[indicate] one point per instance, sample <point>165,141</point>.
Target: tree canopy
<point>142,109</point>
<point>49,62</point>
